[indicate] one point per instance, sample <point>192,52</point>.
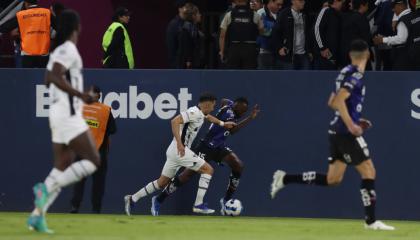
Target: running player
<point>70,133</point>
<point>179,154</point>
<point>213,147</point>
<point>347,145</point>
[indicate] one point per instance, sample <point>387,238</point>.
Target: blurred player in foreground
<point>347,146</point>
<point>69,131</point>
<point>213,147</point>
<point>179,154</point>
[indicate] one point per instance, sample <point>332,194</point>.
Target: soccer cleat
<point>128,204</point>
<point>41,195</point>
<point>202,209</point>
<point>38,223</point>
<point>222,207</point>
<point>277,183</point>
<point>155,206</point>
<point>378,225</point>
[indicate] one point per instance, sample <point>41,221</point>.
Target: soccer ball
<point>233,207</point>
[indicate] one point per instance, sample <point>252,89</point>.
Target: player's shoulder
<point>195,112</point>
<point>66,49</point>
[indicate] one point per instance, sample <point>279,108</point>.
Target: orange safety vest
<point>96,116</point>
<point>34,27</point>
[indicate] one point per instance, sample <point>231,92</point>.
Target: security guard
<point>34,25</point>
<point>242,25</point>
<point>102,124</point>
<point>413,40</point>
<point>118,52</point>
<point>399,41</point>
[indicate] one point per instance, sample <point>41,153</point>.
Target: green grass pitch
<point>116,227</point>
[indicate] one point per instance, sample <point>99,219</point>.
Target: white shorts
<point>173,162</point>
<point>63,130</point>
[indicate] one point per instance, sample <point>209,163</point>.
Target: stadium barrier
<point>290,133</point>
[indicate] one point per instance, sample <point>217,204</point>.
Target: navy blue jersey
<point>216,135</point>
<point>351,79</point>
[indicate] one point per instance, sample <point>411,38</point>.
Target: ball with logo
<point>233,207</point>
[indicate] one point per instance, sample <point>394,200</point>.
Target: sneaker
<point>378,225</point>
<point>155,206</point>
<point>222,207</point>
<point>203,209</point>
<point>277,183</point>
<point>128,203</point>
<point>38,223</point>
<point>41,195</point>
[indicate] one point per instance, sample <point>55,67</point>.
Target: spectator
<point>102,124</point>
<point>327,36</point>
<point>34,25</point>
<point>290,38</point>
<point>355,25</point>
<point>414,38</point>
<point>398,42</point>
<point>383,23</point>
<point>172,31</point>
<point>243,26</point>
<point>118,52</point>
<point>56,10</point>
<point>266,51</point>
<point>189,39</point>
<point>256,5</point>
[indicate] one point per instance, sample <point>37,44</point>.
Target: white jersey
<point>61,104</point>
<point>193,120</point>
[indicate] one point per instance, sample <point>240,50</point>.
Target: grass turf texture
<point>115,227</point>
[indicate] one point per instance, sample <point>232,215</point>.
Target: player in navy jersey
<point>347,146</point>
<point>213,147</point>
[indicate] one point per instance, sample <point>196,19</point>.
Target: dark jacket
<point>115,53</point>
<point>383,19</point>
<point>354,26</point>
<point>172,36</point>
<point>189,46</point>
<point>284,33</point>
<point>327,32</point>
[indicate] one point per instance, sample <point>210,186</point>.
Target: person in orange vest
<point>102,124</point>
<point>34,25</point>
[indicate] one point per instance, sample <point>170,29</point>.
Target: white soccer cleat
<point>128,203</point>
<point>277,183</point>
<point>378,225</point>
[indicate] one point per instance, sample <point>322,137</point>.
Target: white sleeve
<point>64,56</point>
<point>190,115</point>
<point>226,21</point>
<point>400,38</point>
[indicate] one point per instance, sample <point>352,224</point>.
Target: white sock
<point>53,195</point>
<point>203,185</point>
<point>147,190</point>
<point>74,173</point>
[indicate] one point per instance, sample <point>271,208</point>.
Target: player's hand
<point>326,53</point>
<point>365,124</point>
<point>87,98</point>
<point>355,130</point>
<point>181,149</point>
<point>229,125</point>
<point>255,111</point>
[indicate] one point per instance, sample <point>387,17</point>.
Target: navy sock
<point>171,188</point>
<point>367,190</point>
<point>306,178</point>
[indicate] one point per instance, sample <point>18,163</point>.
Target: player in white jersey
<point>70,134</point>
<point>180,155</point>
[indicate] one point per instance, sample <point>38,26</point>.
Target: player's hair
<point>357,3</point>
<point>67,23</point>
<point>242,100</point>
<point>207,97</point>
<point>357,48</point>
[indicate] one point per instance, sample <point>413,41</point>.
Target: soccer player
<point>179,154</point>
<point>347,145</point>
<point>70,133</point>
<point>213,147</point>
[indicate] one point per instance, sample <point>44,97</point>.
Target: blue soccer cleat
<point>41,195</point>
<point>155,206</point>
<point>202,209</point>
<point>38,223</point>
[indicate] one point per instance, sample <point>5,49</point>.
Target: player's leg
<point>206,171</point>
<point>236,166</point>
<point>175,183</point>
<point>367,172</point>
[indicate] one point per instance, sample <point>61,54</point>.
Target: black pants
<point>98,187</point>
<point>321,63</point>
<point>34,61</point>
<point>242,56</point>
<point>383,59</point>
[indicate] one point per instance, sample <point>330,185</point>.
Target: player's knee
<point>334,180</point>
<point>163,182</point>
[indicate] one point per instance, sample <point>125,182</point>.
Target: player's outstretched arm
<point>56,76</point>
<point>227,125</point>
<point>246,120</point>
<point>176,124</point>
<point>338,103</point>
